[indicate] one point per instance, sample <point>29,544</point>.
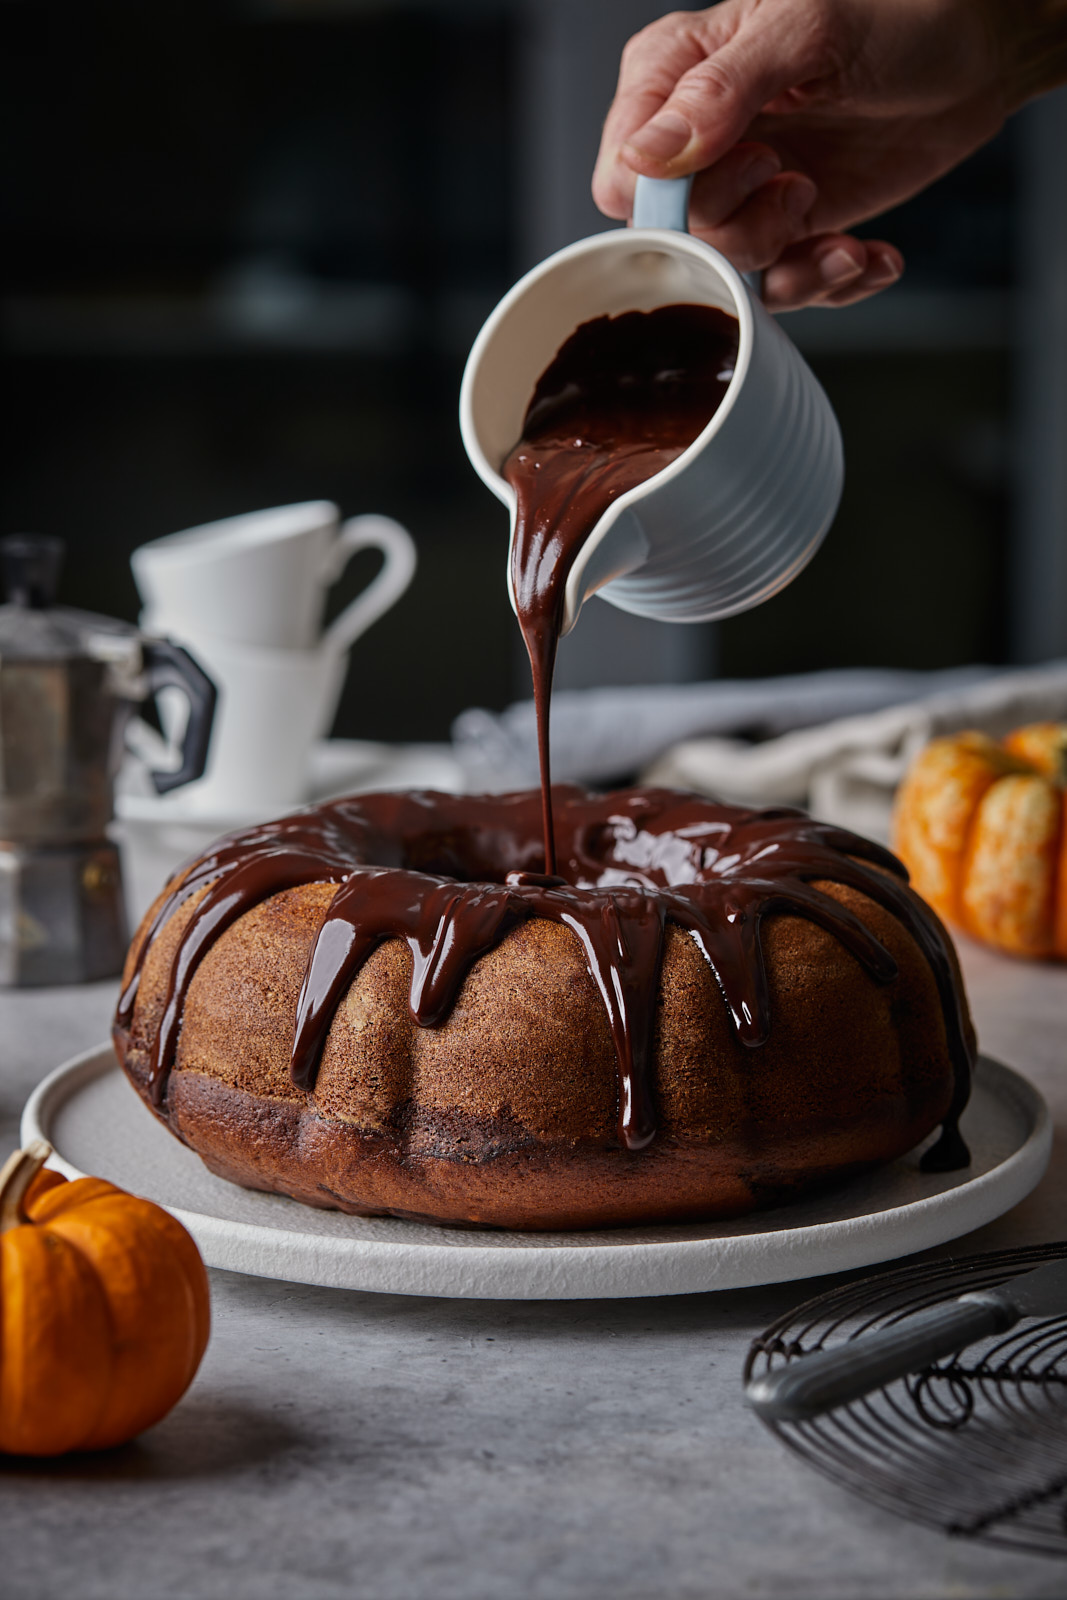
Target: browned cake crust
<point>505,1113</point>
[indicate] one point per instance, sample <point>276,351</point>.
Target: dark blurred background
<point>248,246</point>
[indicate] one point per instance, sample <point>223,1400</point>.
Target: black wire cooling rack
<point>976,1445</point>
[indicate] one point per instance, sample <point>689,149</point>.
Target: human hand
<point>803,117</point>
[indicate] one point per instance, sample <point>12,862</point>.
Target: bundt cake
<point>382,1005</point>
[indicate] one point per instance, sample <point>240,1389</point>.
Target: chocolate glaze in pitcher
<point>621,400</point>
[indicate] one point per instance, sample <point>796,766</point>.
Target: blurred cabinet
<point>246,248</point>
<point>235,274</point>
<point>1039,564</point>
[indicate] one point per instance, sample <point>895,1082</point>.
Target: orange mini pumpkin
<point>982,828</point>
<point>104,1310</point>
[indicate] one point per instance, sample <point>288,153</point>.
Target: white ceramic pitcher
<point>745,507</point>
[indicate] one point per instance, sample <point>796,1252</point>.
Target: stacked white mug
<point>247,596</point>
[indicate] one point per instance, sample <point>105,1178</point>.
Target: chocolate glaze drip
<point>451,875</point>
<point>621,400</point>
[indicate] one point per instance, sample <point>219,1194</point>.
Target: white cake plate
<point>97,1124</point>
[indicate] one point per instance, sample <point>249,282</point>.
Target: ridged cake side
<point>506,1113</point>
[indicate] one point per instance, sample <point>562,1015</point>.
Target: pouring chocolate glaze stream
<point>621,400</point>
<point>741,495</point>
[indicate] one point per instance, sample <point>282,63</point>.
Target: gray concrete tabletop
<point>338,1444</point>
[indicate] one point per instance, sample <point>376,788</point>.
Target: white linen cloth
<point>835,742</point>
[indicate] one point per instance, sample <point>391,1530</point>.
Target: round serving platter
<point>96,1123</point>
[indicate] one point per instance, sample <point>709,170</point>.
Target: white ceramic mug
<point>745,507</point>
<point>261,579</point>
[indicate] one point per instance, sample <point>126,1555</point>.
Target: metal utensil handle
<point>816,1383</point>
<point>169,666</point>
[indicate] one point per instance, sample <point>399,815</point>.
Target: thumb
<point>774,49</point>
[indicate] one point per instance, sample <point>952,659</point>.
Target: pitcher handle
<point>664,203</point>
<point>370,532</point>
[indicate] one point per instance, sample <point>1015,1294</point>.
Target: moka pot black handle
<point>169,666</point>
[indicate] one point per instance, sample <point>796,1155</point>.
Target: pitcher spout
<point>617,546</point>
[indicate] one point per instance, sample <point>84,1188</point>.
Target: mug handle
<point>370,532</point>
<point>664,203</point>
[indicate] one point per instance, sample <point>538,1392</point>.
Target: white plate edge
<point>543,1274</point>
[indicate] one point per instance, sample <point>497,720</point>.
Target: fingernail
<point>760,171</point>
<point>665,136</point>
<point>883,269</point>
<point>797,198</point>
<point>837,266</point>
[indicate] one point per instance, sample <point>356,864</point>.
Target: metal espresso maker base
<point>62,917</point>
<point>69,682</point>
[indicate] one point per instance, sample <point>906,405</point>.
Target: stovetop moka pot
<point>69,682</point>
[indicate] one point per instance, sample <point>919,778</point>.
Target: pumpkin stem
<point>16,1175</point>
